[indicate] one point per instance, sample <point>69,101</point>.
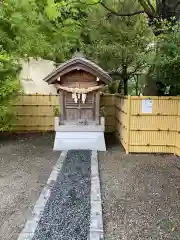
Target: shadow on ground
<point>112,143</point>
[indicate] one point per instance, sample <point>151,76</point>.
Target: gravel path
<point>26,161</point>
<point>141,195</point>
<point>67,213</point>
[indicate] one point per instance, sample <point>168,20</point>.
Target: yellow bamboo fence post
<point>128,124</point>
<point>177,146</point>
<point>108,101</point>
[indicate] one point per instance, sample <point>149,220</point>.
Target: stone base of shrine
<point>80,128</point>
<point>74,127</point>
<point>79,141</point>
<point>74,136</point>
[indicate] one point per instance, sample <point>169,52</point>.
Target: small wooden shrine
<point>79,83</point>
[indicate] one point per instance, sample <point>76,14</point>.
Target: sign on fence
<point>147,106</point>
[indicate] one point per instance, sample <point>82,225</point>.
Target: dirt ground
<point>26,162</point>
<point>141,195</point>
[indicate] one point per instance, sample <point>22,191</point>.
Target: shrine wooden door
<point>71,111</point>
<point>79,112</point>
<point>87,109</point>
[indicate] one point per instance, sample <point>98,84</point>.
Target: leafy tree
<point>41,28</point>
<point>155,10</point>
<point>32,28</point>
<point>120,45</point>
<point>19,28</point>
<point>136,84</point>
<point>167,60</point>
<point>9,87</point>
<point>159,13</point>
<point>19,36</point>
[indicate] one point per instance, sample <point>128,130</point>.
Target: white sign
<point>147,106</point>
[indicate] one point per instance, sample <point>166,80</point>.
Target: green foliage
<point>19,27</point>
<point>32,28</point>
<point>55,29</point>
<point>103,111</point>
<point>114,87</point>
<point>119,44</point>
<point>167,60</point>
<point>136,85</point>
<point>51,10</point>
<point>56,111</point>
<point>9,87</point>
<point>39,28</point>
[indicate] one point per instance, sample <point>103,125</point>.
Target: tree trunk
<point>167,9</point>
<point>125,79</point>
<point>137,84</point>
<point>125,87</point>
<point>150,87</point>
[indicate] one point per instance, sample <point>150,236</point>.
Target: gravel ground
<point>140,194</point>
<point>67,213</point>
<point>26,162</point>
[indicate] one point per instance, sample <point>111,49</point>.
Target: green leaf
<point>52,10</point>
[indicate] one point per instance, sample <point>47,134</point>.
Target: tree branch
<point>177,4</point>
<point>83,3</point>
<point>158,6</point>
<point>152,8</point>
<point>121,14</point>
<point>148,7</point>
<point>89,4</point>
<point>138,66</point>
<point>115,73</point>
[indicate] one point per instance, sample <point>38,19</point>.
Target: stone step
<point>79,141</point>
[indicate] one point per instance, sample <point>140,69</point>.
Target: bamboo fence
<point>158,131</point>
<point>148,132</point>
<point>34,112</point>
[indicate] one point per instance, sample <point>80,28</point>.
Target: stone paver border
<point>31,225</point>
<point>96,221</point>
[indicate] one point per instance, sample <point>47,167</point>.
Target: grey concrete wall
<point>32,75</point>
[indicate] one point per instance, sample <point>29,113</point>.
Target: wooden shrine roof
<point>78,63</point>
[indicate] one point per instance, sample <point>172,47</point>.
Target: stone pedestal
<point>89,137</point>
